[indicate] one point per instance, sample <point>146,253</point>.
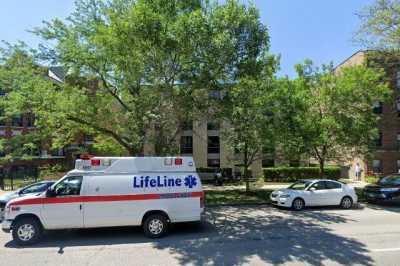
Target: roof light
<point>95,162</point>
<point>178,161</point>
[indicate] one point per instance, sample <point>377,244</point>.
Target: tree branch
<point>106,131</point>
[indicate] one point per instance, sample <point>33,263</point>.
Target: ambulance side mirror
<point>50,193</point>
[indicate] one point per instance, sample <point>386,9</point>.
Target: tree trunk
<point>321,167</point>
<point>246,172</point>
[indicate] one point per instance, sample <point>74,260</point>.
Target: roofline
<point>347,59</point>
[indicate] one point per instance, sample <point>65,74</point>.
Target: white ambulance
<point>112,191</point>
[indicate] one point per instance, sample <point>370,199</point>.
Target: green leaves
<point>380,25</point>
<point>328,114</point>
<point>136,70</point>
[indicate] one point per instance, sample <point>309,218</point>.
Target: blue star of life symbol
<point>190,181</point>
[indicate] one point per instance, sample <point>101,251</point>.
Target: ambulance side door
<point>62,207</point>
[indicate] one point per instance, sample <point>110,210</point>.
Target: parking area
<point>253,235</point>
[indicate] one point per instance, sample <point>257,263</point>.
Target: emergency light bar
<point>132,164</point>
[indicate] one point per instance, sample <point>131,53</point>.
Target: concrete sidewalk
<point>269,186</point>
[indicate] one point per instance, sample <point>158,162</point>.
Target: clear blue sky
<point>317,29</point>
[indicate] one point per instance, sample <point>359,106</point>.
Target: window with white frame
<point>377,166</point>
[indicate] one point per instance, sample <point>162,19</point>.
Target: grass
<point>236,196</point>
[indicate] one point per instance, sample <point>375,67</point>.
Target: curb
<point>238,204</point>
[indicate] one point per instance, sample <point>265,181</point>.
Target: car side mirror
<point>312,189</point>
<point>50,193</point>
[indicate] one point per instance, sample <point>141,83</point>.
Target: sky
<point>319,30</point>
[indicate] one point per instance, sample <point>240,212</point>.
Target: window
<point>378,141</point>
<point>398,140</point>
<point>268,163</point>
<point>88,139</point>
<point>30,120</point>
<point>398,166</point>
<point>212,126</point>
<point>332,185</point>
<point>398,106</point>
<point>70,186</point>
<point>377,166</point>
<point>392,180</point>
<point>270,150</point>
<point>213,163</point>
<point>319,185</point>
<point>300,185</point>
<point>188,125</point>
<point>36,188</point>
<point>2,118</point>
<point>398,80</point>
<point>186,145</point>
<point>17,121</point>
<point>377,108</point>
<point>213,144</point>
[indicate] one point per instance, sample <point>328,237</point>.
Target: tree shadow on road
<point>300,237</point>
<point>233,236</point>
<point>385,206</point>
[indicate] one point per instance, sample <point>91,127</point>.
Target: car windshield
<point>36,188</point>
<point>300,185</point>
<point>390,180</point>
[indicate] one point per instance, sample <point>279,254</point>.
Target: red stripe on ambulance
<point>107,198</point>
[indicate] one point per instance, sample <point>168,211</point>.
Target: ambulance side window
<point>70,186</point>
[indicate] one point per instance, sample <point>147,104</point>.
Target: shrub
<point>372,179</point>
<point>291,174</point>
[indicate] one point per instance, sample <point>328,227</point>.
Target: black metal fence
<point>18,176</point>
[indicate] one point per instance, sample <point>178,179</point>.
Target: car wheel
<point>298,204</point>
<point>26,231</point>
<point>155,226</point>
<point>346,203</point>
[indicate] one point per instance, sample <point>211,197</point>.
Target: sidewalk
<point>269,186</point>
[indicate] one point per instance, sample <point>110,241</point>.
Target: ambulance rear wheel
<point>155,225</point>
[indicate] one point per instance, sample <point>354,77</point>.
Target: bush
<point>291,174</point>
<point>372,179</point>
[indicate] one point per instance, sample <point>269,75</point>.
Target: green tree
<point>136,70</point>
<point>249,121</point>
<point>329,115</point>
<point>380,25</point>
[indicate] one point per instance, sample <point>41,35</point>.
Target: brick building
<point>386,158</point>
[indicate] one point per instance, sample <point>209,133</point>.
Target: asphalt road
<point>230,236</point>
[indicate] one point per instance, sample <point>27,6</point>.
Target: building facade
<point>386,158</point>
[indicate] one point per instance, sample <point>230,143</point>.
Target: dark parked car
<point>386,190</point>
<point>28,190</point>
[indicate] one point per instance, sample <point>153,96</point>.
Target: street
<point>255,235</point>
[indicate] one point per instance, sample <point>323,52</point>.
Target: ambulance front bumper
<point>6,226</point>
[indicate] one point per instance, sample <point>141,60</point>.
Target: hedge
<point>291,174</point>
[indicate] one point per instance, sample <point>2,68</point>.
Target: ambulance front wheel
<point>26,231</point>
<point>155,225</point>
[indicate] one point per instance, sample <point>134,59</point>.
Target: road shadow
<point>242,235</point>
<point>386,206</point>
<point>233,236</point>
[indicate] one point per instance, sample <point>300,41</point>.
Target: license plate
<point>372,195</point>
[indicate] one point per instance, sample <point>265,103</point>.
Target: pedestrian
<point>358,171</point>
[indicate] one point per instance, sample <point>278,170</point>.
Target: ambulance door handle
<point>80,206</point>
